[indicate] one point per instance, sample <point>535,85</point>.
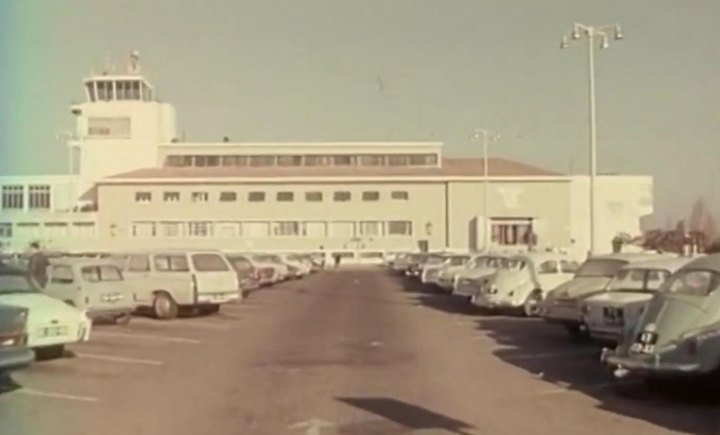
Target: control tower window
<point>102,93</point>
<point>120,90</point>
<point>91,91</point>
<point>135,90</point>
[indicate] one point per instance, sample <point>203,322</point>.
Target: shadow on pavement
<point>400,417</point>
<point>7,383</point>
<point>548,354</point>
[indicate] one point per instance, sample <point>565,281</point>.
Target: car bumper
<point>110,312</point>
<point>484,301</point>
<point>75,333</point>
<point>13,359</point>
<point>562,314</point>
<point>466,290</point>
<point>218,298</point>
<point>647,366</point>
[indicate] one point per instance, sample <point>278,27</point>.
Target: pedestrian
<point>37,266</point>
<point>337,259</point>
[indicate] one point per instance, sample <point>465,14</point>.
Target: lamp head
<point>605,43</point>
<point>564,42</point>
<point>576,33</point>
<point>618,33</point>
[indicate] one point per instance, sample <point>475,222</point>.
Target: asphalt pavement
<point>349,352</point>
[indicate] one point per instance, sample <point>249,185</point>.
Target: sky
<point>346,70</point>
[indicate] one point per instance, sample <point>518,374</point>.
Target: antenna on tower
<point>134,66</point>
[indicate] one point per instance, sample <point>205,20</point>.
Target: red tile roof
<point>450,167</point>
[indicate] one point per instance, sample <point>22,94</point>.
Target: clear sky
<point>315,70</point>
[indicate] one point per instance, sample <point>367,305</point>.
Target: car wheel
<point>212,309</point>
<point>531,307</point>
<point>124,319</point>
<point>164,306</point>
<point>576,332</point>
<point>50,352</point>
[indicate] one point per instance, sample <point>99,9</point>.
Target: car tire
<point>50,352</point>
<point>576,332</point>
<point>212,309</point>
<point>164,306</point>
<point>124,319</point>
<point>531,306</point>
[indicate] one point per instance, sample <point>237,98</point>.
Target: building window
<point>178,161</point>
<point>399,228</point>
<point>289,160</point>
<point>423,159</point>
<point>288,228</point>
<point>511,231</point>
<point>56,229</point>
<point>256,196</point>
<point>143,230</point>
<point>372,160</point>
<point>370,196</point>
<point>313,196</point>
<point>12,197</point>
<point>262,160</point>
<point>87,229</point>
<point>314,229</point>
<point>285,196</point>
<point>256,229</point>
<point>228,196</point>
<point>399,195</point>
<point>342,196</point>
<point>234,161</point>
<point>342,229</point>
<point>343,160</point>
<point>6,230</point>
<point>200,229</point>
<point>143,196</point>
<point>39,197</point>
<point>207,161</point>
<point>171,229</point>
<point>171,196</point>
<point>228,229</point>
<point>106,128</point>
<point>199,197</point>
<point>398,160</point>
<point>318,160</point>
<point>371,228</point>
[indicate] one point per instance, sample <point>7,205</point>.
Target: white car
<point>296,261</point>
<point>525,281</point>
<point>51,324</point>
<point>282,271</point>
<point>431,272</point>
<point>469,281</point>
<point>606,314</point>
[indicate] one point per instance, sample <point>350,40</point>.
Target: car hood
<point>671,315</point>
<point>41,308</point>
<point>579,286</point>
<point>619,299</point>
<point>477,273</point>
<point>507,280</point>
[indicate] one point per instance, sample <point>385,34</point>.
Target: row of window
<point>302,160</point>
<point>259,229</point>
<point>13,197</point>
<point>259,196</point>
<point>103,90</point>
<point>47,229</point>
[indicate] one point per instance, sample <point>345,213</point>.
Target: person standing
<point>337,259</point>
<point>37,266</point>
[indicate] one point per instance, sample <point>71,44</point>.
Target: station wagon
<point>167,280</point>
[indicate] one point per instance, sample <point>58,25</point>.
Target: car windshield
<point>434,259</point>
<point>638,280</point>
<point>456,260</point>
<point>600,268</point>
<point>515,264</point>
<point>14,280</point>
<point>693,282</point>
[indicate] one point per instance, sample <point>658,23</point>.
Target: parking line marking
<point>147,337</point>
<point>31,392</point>
<point>550,355</point>
<point>183,322</point>
<point>119,359</point>
<point>562,389</point>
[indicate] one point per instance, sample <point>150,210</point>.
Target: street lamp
<point>486,136</point>
<point>580,31</point>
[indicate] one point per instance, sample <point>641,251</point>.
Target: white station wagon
<point>605,315</point>
<point>525,281</point>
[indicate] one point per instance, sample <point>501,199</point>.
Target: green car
<point>51,324</point>
<point>14,353</point>
<point>679,330</point>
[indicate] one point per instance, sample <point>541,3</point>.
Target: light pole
<point>590,33</point>
<point>486,135</point>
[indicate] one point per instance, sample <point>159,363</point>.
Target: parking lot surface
<point>350,352</point>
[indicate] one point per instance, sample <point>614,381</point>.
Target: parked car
<point>249,276</point>
<point>525,280</point>
<point>297,266</point>
<point>14,354</point>
<point>282,271</point>
<point>606,314</point>
<point>167,280</point>
<point>421,260</point>
<point>95,286</point>
<point>431,272</point>
<point>678,333</point>
<point>51,324</point>
<point>563,305</point>
<point>401,263</point>
<point>468,281</point>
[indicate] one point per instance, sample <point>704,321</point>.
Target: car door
<point>103,287</point>
<point>549,275</point>
<point>213,273</point>
<point>64,285</point>
<point>138,278</point>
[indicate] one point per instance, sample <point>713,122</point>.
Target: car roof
<point>670,264</point>
<point>707,262</point>
<point>173,251</point>
<point>541,256</point>
<point>634,256</point>
<point>80,262</point>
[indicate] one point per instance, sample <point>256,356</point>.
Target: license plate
<point>642,348</point>
<point>54,331</point>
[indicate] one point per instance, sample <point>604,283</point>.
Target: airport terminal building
<point>132,183</point>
